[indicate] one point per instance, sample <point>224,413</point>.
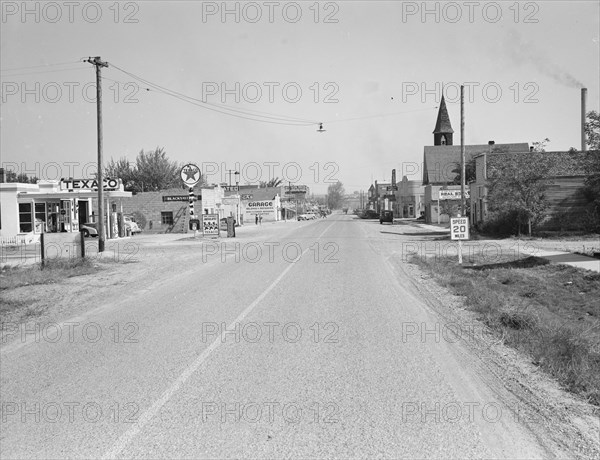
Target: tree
<point>123,170</point>
<point>335,195</point>
<point>275,182</point>
<point>592,130</point>
<point>154,171</point>
<point>517,186</point>
<point>540,146</point>
<point>22,178</point>
<point>469,172</point>
<point>592,180</point>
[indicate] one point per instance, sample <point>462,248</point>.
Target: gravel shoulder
<point>564,424</point>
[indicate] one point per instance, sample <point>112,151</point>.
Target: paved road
<point>319,358</point>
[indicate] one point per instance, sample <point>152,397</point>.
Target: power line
<point>247,114</point>
<point>44,71</point>
<point>41,65</point>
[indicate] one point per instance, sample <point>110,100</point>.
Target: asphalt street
<point>298,341</point>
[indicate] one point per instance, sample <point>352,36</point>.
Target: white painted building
<point>27,210</point>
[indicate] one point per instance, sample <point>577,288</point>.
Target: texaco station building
<point>27,210</point>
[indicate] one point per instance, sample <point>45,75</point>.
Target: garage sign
<point>260,207</point>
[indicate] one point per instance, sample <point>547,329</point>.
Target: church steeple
<point>442,134</point>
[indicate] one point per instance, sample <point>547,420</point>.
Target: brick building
<point>564,192</point>
<point>167,211</point>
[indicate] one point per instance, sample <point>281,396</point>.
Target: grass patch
<point>51,272</point>
<point>551,312</point>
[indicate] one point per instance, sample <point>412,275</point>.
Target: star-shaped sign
<point>190,174</point>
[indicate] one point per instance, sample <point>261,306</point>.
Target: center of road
<point>153,410</point>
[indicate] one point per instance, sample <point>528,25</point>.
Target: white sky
<point>376,61</point>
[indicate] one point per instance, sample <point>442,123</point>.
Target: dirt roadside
<point>564,424</point>
<point>130,267</point>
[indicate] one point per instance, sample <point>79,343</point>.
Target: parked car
<point>132,224</point>
<point>386,216</point>
<point>88,229</point>
<point>369,214</point>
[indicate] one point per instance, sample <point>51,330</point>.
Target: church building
<point>441,165</point>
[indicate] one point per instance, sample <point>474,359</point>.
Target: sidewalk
<point>568,258</point>
<point>552,255</point>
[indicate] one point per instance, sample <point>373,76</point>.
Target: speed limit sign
<point>459,228</point>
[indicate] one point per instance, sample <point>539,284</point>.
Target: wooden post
<point>462,150</point>
<point>42,248</point>
<point>98,63</point>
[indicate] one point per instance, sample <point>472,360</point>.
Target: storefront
<point>266,211</point>
<point>27,210</point>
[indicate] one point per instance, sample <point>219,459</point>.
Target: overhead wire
<point>43,71</point>
<point>248,114</point>
<point>221,106</point>
<point>244,113</point>
<point>38,66</point>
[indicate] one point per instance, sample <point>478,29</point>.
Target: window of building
<point>40,211</point>
<point>167,217</point>
<point>25,219</point>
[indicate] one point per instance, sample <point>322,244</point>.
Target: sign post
<point>190,175</point>
<point>459,230</point>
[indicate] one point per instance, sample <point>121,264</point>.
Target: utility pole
<point>98,63</point>
<point>229,171</point>
<point>462,151</point>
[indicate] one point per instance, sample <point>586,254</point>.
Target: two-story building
<point>442,163</point>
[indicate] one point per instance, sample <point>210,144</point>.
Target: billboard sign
<point>260,207</point>
<point>289,189</point>
<point>210,225</point>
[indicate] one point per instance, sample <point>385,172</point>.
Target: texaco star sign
<point>190,174</point>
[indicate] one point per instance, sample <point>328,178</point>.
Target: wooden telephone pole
<point>462,152</point>
<point>98,63</point>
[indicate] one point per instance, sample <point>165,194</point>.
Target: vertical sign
<point>459,230</point>
<point>190,175</point>
<point>210,225</point>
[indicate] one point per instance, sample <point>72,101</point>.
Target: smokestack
<point>583,102</point>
